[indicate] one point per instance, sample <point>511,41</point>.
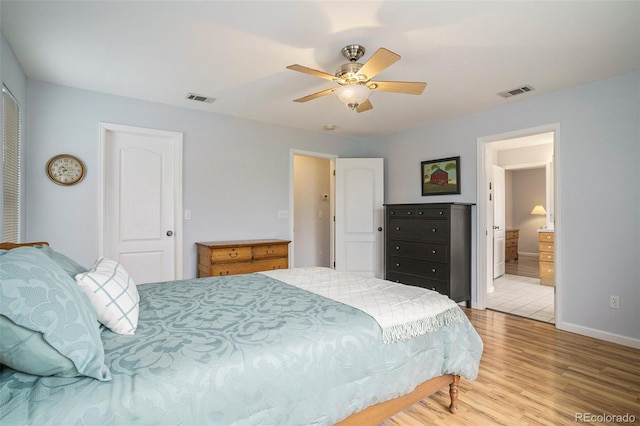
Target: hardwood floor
<point>526,266</point>
<point>533,374</point>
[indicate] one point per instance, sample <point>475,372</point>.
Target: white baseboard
<point>599,334</point>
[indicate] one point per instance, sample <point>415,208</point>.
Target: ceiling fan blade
<point>315,95</point>
<point>365,106</point>
<point>310,71</point>
<point>406,87</point>
<point>378,62</point>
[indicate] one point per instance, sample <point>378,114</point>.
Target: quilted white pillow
<point>113,295</point>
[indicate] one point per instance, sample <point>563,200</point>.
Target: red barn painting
<point>439,177</point>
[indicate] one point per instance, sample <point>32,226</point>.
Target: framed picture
<point>440,177</point>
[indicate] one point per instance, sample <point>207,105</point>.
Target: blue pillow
<point>25,350</point>
<point>70,266</point>
<point>37,294</point>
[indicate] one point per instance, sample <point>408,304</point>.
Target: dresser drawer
<point>511,243</point>
<point>417,250</point>
<point>247,267</point>
<point>431,270</point>
<point>435,285</point>
<point>401,212</point>
<point>511,235</point>
<point>272,250</point>
<point>230,254</point>
<point>545,237</point>
<point>546,256</point>
<point>545,247</point>
<point>546,270</point>
<point>432,212</point>
<point>511,253</point>
<point>419,230</point>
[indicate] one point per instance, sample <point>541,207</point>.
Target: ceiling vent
<point>518,91</point>
<point>200,98</point>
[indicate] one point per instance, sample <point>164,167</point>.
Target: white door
<point>142,201</point>
<point>498,220</point>
<point>359,216</point>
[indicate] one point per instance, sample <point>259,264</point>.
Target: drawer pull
<point>420,213</point>
<point>392,212</point>
<point>398,265</point>
<point>397,228</point>
<point>409,212</point>
<point>235,254</point>
<point>271,251</point>
<point>433,252</point>
<point>433,270</point>
<point>440,212</point>
<point>433,288</point>
<point>397,247</point>
<point>434,230</point>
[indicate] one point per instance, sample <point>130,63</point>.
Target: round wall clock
<point>65,169</point>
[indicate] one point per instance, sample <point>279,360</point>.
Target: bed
<point>255,349</point>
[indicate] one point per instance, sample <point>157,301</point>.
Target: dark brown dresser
<point>429,245</point>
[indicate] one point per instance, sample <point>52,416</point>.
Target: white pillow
<point>113,295</point>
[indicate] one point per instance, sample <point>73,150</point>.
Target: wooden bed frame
<point>375,414</point>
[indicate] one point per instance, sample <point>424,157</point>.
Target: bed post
<point>453,393</point>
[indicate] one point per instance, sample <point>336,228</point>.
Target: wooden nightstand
<point>241,257</point>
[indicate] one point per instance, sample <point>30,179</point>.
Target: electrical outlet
<point>283,214</point>
<point>614,302</point>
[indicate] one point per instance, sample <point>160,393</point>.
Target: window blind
<point>11,168</point>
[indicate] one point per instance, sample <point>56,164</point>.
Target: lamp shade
<point>352,95</point>
<point>539,210</point>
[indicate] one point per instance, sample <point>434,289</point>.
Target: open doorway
<point>312,210</point>
<point>511,263</point>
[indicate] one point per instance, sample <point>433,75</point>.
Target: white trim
<point>176,138</point>
<point>602,335</point>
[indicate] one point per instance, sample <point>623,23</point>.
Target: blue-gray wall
<point>600,235</point>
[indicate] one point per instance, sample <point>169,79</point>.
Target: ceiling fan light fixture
<point>352,95</point>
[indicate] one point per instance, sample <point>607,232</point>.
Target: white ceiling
<point>237,51</point>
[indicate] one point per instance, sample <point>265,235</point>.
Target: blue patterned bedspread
<point>241,350</point>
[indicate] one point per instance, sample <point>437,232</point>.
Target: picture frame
<point>440,177</point>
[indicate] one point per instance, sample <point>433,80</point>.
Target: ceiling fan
<point>354,79</point>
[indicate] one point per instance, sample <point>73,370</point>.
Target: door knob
<point>169,233</point>
<point>380,228</point>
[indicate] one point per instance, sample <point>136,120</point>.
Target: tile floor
<point>522,296</point>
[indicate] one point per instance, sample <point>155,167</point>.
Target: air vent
<point>518,91</point>
<point>200,98</point>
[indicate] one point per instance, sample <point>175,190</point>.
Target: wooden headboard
<point>9,246</point>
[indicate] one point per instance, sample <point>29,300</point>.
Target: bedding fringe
<point>426,325</point>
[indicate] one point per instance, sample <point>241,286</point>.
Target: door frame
<point>485,158</point>
<point>332,191</point>
<point>176,140</point>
